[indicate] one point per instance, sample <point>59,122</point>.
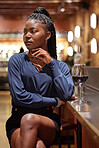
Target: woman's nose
<point>28,34</point>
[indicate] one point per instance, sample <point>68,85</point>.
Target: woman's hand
<point>42,55</point>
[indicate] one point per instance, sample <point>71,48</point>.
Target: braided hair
<point>41,14</point>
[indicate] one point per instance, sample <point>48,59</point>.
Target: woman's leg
<point>33,127</point>
<point>40,144</point>
<point>15,142</point>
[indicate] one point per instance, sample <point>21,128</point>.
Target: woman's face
<point>35,36</point>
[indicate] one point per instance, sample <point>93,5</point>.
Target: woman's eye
<point>33,31</point>
<point>24,32</point>
<point>30,31</point>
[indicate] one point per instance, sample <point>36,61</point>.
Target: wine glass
<point>80,75</point>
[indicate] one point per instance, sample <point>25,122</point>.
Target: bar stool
<point>66,126</point>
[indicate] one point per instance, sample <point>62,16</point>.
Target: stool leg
<point>68,145</point>
<point>60,145</point>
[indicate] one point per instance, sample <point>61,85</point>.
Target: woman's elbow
<point>66,95</point>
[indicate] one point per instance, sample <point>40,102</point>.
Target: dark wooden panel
<point>14,8</point>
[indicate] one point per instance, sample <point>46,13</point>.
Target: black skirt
<point>17,113</point>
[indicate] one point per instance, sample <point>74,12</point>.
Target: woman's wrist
<point>49,60</point>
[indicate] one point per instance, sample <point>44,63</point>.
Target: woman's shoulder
<point>63,66</point>
<point>17,57</point>
<point>61,63</point>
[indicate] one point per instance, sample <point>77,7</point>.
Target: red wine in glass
<point>80,75</point>
<point>80,79</point>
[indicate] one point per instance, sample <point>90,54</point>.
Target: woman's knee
<point>30,121</point>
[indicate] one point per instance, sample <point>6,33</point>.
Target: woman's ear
<point>48,35</point>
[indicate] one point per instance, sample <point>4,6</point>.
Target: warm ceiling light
<point>62,9</point>
<point>93,21</point>
<point>69,1</point>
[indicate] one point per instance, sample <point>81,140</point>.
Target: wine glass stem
<point>80,86</point>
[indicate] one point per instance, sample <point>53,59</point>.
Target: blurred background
<point>77,29</point>
<point>77,33</point>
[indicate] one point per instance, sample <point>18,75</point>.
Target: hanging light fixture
<point>62,8</point>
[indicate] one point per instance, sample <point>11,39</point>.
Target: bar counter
<point>87,118</point>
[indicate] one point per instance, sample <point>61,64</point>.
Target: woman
<point>37,81</point>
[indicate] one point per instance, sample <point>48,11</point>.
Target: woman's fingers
<point>42,55</point>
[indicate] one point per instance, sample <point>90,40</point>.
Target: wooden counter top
<point>88,114</point>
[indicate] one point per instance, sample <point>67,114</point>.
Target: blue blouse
<point>32,89</point>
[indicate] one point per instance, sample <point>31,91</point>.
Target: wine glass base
<point>82,102</point>
<point>80,106</point>
<point>75,101</point>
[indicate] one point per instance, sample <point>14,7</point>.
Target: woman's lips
<point>28,43</point>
